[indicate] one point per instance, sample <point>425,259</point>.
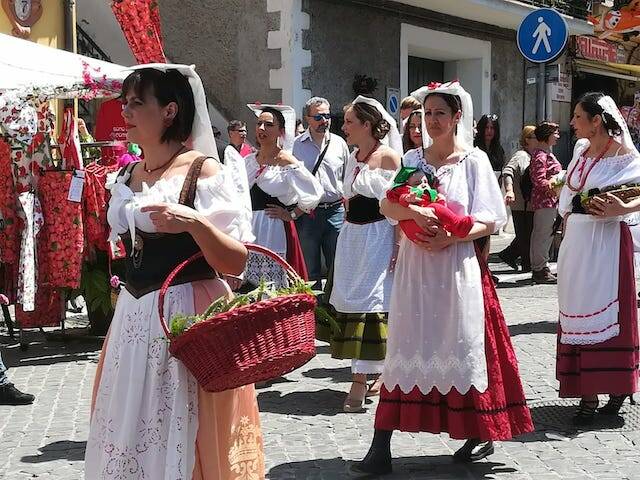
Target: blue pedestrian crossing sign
<point>542,35</point>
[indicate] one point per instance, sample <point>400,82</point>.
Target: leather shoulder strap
<point>188,193</point>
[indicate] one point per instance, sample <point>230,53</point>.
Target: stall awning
<point>616,70</point>
<point>54,73</point>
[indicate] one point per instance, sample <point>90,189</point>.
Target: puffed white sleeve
<point>218,200</point>
<point>373,183</point>
<point>486,202</point>
<point>304,189</point>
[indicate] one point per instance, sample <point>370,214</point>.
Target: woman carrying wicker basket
<point>598,331</point>
<point>150,419</point>
<point>450,366</point>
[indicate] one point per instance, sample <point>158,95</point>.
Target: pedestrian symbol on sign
<point>543,32</point>
<point>542,35</point>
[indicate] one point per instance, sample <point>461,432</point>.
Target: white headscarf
<point>391,139</point>
<point>609,105</point>
<point>464,134</point>
<point>289,115</point>
<point>201,138</point>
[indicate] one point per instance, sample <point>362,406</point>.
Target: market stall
<point>52,205</point>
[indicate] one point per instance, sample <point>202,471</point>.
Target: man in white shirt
<point>325,155</point>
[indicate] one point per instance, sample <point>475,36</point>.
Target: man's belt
<point>327,205</point>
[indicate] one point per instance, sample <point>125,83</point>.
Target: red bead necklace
<point>582,162</point>
<point>364,161</point>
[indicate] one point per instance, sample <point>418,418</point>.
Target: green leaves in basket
<point>324,317</point>
<point>179,323</point>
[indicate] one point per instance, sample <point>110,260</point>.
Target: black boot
<point>614,404</point>
<point>378,459</point>
<point>473,450</point>
<point>10,395</point>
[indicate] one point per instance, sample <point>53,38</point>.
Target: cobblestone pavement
<point>306,434</point>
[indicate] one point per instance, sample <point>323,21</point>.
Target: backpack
<point>526,186</point>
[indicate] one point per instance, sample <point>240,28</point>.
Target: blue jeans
<point>318,236</point>
<point>3,373</point>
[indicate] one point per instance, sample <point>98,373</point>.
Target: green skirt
<point>360,336</point>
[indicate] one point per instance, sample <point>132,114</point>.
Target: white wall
<point>467,59</point>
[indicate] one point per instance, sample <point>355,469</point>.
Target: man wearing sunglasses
<point>324,154</point>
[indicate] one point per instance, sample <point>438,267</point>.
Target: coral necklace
<point>363,161</point>
<point>581,164</point>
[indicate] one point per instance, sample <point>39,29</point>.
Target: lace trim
<point>571,338</point>
<point>261,267</point>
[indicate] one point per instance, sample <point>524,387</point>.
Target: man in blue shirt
<point>325,155</point>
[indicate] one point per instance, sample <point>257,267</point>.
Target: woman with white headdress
<point>598,334</point>
<point>281,190</point>
<point>450,366</point>
<point>150,419</point>
<point>365,251</point>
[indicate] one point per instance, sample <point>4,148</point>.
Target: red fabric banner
<point>140,23</point>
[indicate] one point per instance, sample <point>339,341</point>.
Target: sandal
<point>354,404</point>
<point>614,404</point>
<point>374,389</point>
<point>586,412</point>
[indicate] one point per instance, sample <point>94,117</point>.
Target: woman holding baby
<point>450,366</point>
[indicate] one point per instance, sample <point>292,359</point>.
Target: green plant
<point>95,288</point>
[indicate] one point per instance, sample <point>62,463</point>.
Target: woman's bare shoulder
<point>285,159</point>
<point>389,158</point>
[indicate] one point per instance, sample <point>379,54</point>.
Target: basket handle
<point>167,283</point>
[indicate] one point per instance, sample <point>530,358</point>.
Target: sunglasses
<point>240,131</point>
<point>321,116</point>
<point>492,116</point>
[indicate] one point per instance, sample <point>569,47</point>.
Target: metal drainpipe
<point>69,25</point>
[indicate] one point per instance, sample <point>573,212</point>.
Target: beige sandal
<point>353,404</point>
<point>374,389</point>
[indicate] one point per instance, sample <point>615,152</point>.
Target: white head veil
<point>464,134</point>
<point>289,115</point>
<point>201,138</point>
<point>609,105</point>
<point>393,138</point>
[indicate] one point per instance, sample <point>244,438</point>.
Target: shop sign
<point>560,91</point>
<point>591,48</point>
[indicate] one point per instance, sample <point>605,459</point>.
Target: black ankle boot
<point>378,459</point>
<point>10,395</point>
<point>586,413</point>
<point>614,404</point>
<point>473,450</point>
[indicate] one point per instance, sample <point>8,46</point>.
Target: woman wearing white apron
<point>598,331</point>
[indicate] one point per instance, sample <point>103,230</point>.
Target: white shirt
<point>331,170</point>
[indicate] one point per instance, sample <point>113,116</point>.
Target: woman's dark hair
<point>452,101</point>
<point>367,113</point>
<point>589,103</point>
<point>277,115</point>
<point>544,130</point>
<point>166,86</point>
<point>407,143</point>
<point>495,152</point>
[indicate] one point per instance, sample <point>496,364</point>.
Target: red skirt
<point>499,413</point>
<point>295,257</point>
<point>610,366</point>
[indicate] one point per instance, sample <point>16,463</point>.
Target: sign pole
<point>541,90</point>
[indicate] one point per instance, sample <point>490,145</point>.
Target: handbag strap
<point>188,192</point>
<point>321,157</point>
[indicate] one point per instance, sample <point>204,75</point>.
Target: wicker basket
<point>249,344</point>
<point>624,194</point>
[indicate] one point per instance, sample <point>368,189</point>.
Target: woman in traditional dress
<point>598,332</point>
<point>366,248</point>
<point>450,366</point>
<point>150,419</point>
<point>281,190</point>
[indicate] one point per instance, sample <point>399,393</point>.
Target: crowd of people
<point>400,225</point>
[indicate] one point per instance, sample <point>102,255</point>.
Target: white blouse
<point>216,199</point>
<point>436,316</point>
<point>291,184</point>
<point>588,290</point>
